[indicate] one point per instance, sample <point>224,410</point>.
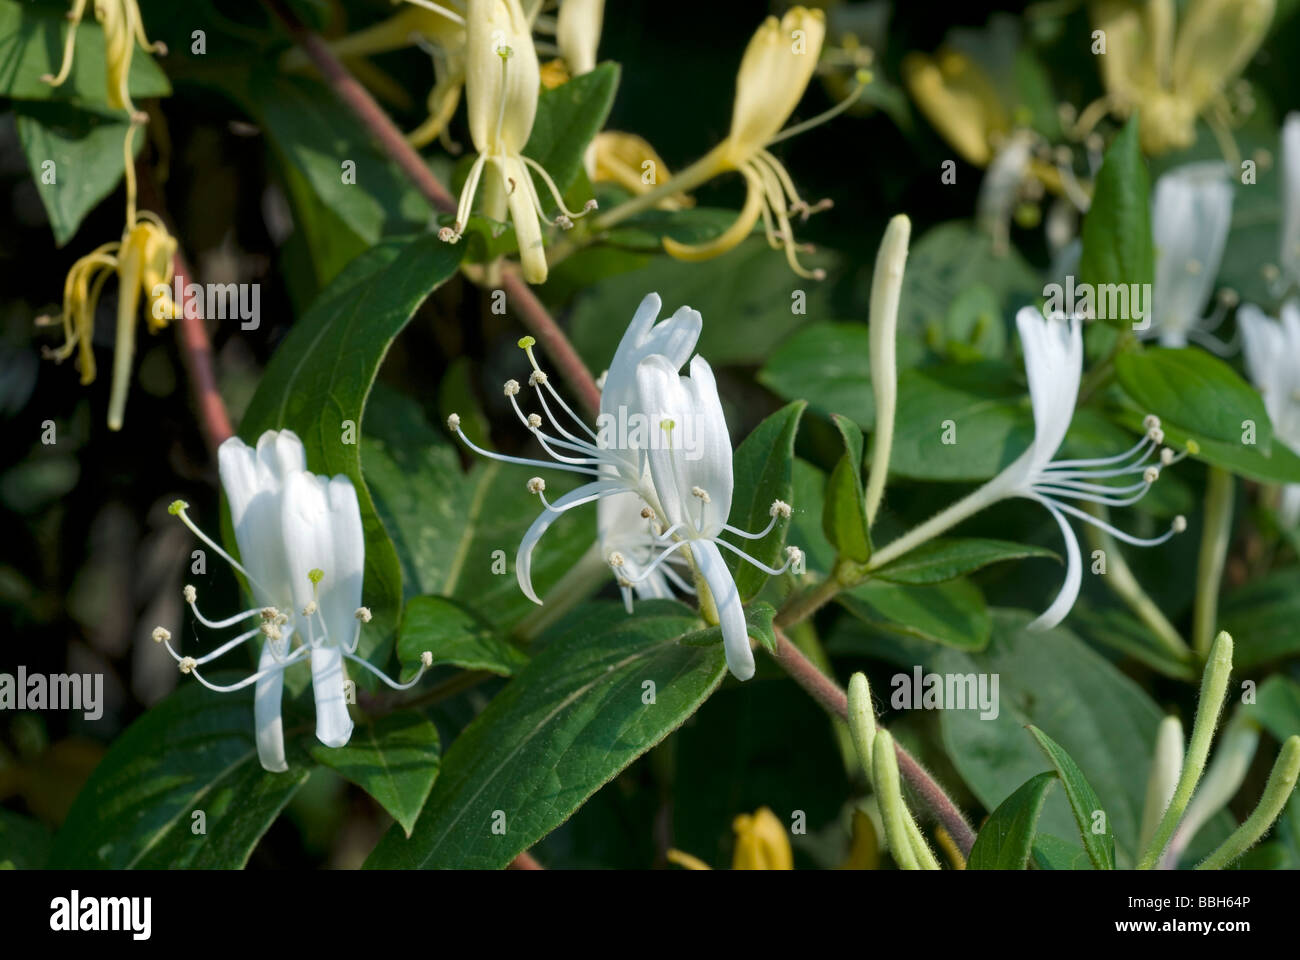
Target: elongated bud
<point>1214,684</point>
<point>862,721</point>
<point>889,793</point>
<point>577,32</point>
<point>886,287</point>
<point>1166,765</point>
<point>1281,782</point>
<point>1232,758</point>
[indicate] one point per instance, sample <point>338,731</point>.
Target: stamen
<point>863,77</point>
<point>293,658</point>
<point>771,571</point>
<point>453,424</point>
<point>441,11</point>
<point>654,564</point>
<point>426,661</point>
<point>1178,526</point>
<point>565,212</point>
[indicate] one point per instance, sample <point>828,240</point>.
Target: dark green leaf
<point>1278,706</point>
<point>1083,802</point>
<point>454,636</point>
<point>568,723</point>
<point>844,516</point>
<point>951,613</point>
<point>394,759</point>
<point>947,558</point>
<point>85,148</point>
<point>24,842</point>
<point>829,365</point>
<point>1194,390</point>
<point>192,752</point>
<point>1117,242</point>
<point>764,468</point>
<point>1005,839</point>
<point>1053,853</point>
<point>1262,616</point>
<point>568,117</point>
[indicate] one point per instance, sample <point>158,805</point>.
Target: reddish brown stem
<point>835,702</point>
<point>525,861</point>
<point>532,313</point>
<point>196,349</point>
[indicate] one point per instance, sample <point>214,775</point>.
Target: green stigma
<point>176,506</point>
<point>527,343</point>
<point>315,575</point>
<point>1193,447</point>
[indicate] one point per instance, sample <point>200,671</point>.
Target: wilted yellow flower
<point>142,261</point>
<point>501,88</point>
<point>439,28</point>
<point>761,844</point>
<point>123,28</point>
<point>632,163</point>
<point>577,32</point>
<point>1175,71</point>
<point>774,73</point>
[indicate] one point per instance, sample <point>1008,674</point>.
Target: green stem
<point>1214,684</point>
<point>954,514</point>
<point>699,172</point>
<point>1215,539</point>
<point>1276,793</point>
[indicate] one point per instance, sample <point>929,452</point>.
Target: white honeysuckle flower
<point>641,534</point>
<point>1289,252</point>
<point>303,549</point>
<point>502,79</point>
<point>1272,351</point>
<point>1190,216</point>
<point>1053,349</point>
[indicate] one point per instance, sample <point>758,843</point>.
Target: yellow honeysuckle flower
<point>1175,70</point>
<point>632,163</point>
<point>774,73</point>
<point>439,29</point>
<point>142,260</point>
<point>761,844</point>
<point>501,87</point>
<point>123,29</point>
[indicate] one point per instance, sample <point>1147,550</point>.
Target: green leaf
<point>1118,629</point>
<point>764,468</point>
<point>1278,706</point>
<point>313,137</point>
<point>1083,802</point>
<point>959,422</point>
<point>394,759</point>
<point>85,147</point>
<point>1117,242</point>
<point>24,842</point>
<point>1050,679</point>
<point>829,365</point>
<point>568,117</point>
<point>319,379</point>
<point>952,613</point>
<point>947,558</point>
<point>844,516</point>
<point>193,751</point>
<point>1053,853</point>
<point>1245,460</point>
<point>1261,616</point>
<point>567,724</point>
<point>758,620</point>
<point>31,45</point>
<point>456,532</point>
<point>1005,839</point>
<point>454,636</point>
<point>1196,391</point>
<point>751,281</point>
<point>645,232</point>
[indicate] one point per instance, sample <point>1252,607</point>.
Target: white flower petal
<point>254,487</point>
<point>333,724</point>
<point>731,613</point>
<point>674,338</point>
<point>1191,214</point>
<point>524,557</point>
<point>1073,574</point>
<point>267,722</point>
<point>1290,164</point>
<point>1053,350</point>
<point>620,527</point>
<point>308,544</point>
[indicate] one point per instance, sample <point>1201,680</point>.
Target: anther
<point>453,422</point>
<point>699,493</point>
<point>1150,421</point>
<point>534,421</point>
<point>1179,524</point>
<point>426,659</point>
<point>186,664</point>
<point>616,559</point>
<point>536,485</point>
<point>448,235</point>
<point>536,378</point>
<point>1151,474</point>
<point>363,614</point>
<point>269,613</point>
<point>1166,456</point>
<point>647,513</point>
<point>161,634</point>
<point>190,594</point>
<point>780,509</point>
<point>1157,435</point>
<point>511,388</point>
<point>310,609</point>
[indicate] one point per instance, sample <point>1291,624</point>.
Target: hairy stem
<point>1215,538</point>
